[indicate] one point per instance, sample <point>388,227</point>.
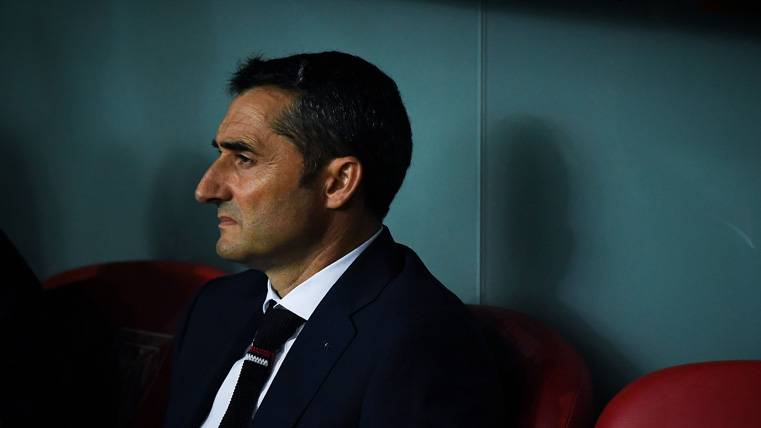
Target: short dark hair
<point>344,106</point>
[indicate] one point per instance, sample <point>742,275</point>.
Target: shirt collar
<point>305,297</point>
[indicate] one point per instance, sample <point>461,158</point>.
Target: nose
<point>213,187</point>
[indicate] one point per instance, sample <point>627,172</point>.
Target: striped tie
<point>277,326</point>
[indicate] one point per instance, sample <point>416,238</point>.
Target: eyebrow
<point>235,146</point>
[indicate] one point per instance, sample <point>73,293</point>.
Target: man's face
<point>266,218</point>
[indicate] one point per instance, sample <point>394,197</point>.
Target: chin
<point>228,251</point>
<point>234,252</point>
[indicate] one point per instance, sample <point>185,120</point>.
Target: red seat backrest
<point>141,302</point>
<point>555,389</point>
<point>700,395</point>
<point>144,295</point>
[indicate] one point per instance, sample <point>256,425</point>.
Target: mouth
<point>226,221</point>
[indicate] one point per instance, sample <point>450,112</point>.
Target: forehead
<point>253,111</point>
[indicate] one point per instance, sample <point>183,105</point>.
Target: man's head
<point>305,136</point>
<point>343,106</point>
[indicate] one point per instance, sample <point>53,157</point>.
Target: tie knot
<point>276,327</point>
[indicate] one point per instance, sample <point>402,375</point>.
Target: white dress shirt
<point>302,301</point>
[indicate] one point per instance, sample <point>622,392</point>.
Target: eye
<point>243,160</point>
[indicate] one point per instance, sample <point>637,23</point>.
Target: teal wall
<point>622,198</point>
<point>603,175</point>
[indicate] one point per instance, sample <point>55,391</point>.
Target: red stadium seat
<point>126,312</point>
<point>701,395</point>
<point>550,381</point>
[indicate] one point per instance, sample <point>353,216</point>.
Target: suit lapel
<point>326,335</point>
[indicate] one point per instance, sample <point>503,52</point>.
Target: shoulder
<point>415,309</point>
<point>431,346</point>
<point>417,296</point>
<point>223,297</point>
<point>239,285</point>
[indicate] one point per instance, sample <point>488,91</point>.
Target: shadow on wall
<point>181,228</point>
<point>540,239</point>
<point>540,243</point>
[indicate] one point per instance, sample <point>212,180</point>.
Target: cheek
<point>266,205</point>
<point>296,210</point>
<point>274,198</point>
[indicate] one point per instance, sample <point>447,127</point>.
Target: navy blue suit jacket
<point>388,346</point>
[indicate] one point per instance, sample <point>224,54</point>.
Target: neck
<point>334,244</point>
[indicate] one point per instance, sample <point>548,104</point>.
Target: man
<point>312,151</point>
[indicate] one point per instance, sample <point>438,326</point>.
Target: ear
<point>342,178</point>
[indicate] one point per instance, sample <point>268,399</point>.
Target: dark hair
<point>345,106</point>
